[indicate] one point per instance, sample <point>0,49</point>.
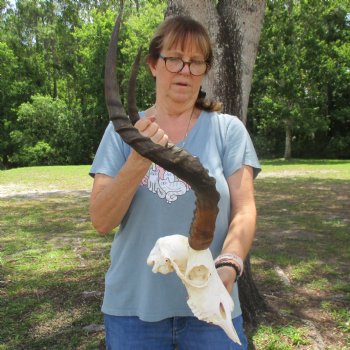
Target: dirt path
<point>12,190</point>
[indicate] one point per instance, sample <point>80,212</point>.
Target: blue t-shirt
<point>163,205</point>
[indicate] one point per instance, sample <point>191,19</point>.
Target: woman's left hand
<point>228,276</point>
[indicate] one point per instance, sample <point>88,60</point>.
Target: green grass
<point>50,255</point>
<point>304,230</point>
<point>281,337</point>
<point>47,178</point>
<point>308,168</point>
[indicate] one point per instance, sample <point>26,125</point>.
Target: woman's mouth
<point>181,84</point>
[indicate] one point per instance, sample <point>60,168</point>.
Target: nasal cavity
<point>222,311</point>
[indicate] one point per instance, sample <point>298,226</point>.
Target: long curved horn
<point>132,108</point>
<point>171,158</point>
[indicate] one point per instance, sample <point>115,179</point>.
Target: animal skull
<point>208,298</point>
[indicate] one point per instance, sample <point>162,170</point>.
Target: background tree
<point>8,68</point>
<point>57,49</point>
<point>50,132</point>
<point>299,105</point>
<point>299,97</point>
<point>234,28</point>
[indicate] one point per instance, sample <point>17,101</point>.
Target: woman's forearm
<point>241,232</point>
<point>111,197</point>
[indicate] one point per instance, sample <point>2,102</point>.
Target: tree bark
<point>234,27</point>
<point>288,141</point>
<point>252,302</point>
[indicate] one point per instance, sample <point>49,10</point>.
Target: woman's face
<point>181,87</point>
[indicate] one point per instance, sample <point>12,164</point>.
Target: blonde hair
<point>184,30</point>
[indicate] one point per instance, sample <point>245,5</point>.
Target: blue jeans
<point>181,333</point>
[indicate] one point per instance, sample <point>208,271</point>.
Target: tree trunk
<point>288,141</point>
<point>252,302</point>
<point>234,27</point>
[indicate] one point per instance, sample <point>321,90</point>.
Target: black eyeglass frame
<point>183,64</point>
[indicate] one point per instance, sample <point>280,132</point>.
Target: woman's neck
<point>175,123</point>
<point>169,111</point>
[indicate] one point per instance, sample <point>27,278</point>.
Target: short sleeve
<point>238,149</point>
<point>111,153</point>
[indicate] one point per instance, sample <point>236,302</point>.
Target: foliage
<point>301,79</point>
<point>8,67</point>
<point>49,133</point>
<point>56,49</point>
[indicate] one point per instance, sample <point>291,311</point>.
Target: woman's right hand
<point>148,127</point>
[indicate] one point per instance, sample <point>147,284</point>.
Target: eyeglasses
<point>176,65</point>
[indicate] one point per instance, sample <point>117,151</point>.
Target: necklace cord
<point>183,141</point>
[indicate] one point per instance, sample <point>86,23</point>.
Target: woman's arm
<point>241,231</point>
<point>111,196</point>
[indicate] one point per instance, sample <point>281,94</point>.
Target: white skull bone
<point>208,299</point>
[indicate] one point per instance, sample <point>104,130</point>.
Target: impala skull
<point>207,297</point>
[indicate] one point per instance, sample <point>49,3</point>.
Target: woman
<point>145,310</point>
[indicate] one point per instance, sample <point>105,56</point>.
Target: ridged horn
<point>171,158</point>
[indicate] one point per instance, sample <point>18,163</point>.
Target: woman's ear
<point>152,66</point>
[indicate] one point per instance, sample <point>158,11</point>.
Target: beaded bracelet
<point>230,265</point>
<point>233,258</point>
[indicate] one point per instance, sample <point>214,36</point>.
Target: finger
<point>158,135</point>
<point>152,130</point>
<point>160,138</point>
<point>164,141</point>
<point>149,128</point>
<point>142,124</point>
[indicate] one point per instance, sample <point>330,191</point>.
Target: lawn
<point>301,255</point>
<point>52,263</point>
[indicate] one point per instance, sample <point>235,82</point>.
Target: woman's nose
<point>186,68</point>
